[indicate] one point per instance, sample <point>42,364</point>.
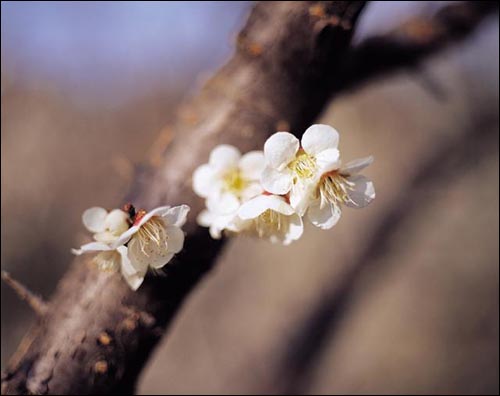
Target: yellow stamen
<point>234,182</point>
<point>304,166</point>
<point>269,223</point>
<point>153,231</point>
<point>334,188</point>
<point>107,261</point>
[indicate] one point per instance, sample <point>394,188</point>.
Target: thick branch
<point>98,334</point>
<point>94,339</point>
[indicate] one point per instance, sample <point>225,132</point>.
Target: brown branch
<point>33,300</point>
<point>291,56</point>
<point>97,333</point>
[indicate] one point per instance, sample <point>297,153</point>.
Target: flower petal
<point>116,221</point>
<point>276,182</point>
<point>133,276</point>
<point>252,164</point>
<point>224,157</point>
<point>125,237</point>
<point>318,138</point>
<point>280,149</point>
<point>323,217</point>
<point>205,180</point>
<point>300,196</point>
<point>223,204</point>
<point>177,215</point>
<point>175,239</point>
<point>295,230</point>
<point>91,247</point>
<point>328,160</point>
<point>258,205</point>
<point>364,191</point>
<point>93,219</point>
<point>251,190</point>
<point>356,165</point>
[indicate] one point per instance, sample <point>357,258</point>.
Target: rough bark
<point>97,334</point>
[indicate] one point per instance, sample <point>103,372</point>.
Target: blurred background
<point>87,88</point>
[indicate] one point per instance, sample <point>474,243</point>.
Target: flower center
<point>334,188</point>
<point>151,235</point>
<point>304,166</point>
<point>107,261</point>
<point>269,222</point>
<point>234,182</point>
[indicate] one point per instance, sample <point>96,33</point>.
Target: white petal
<point>91,247</point>
<point>323,217</point>
<point>125,237</point>
<point>93,219</point>
<point>175,239</point>
<point>364,191</point>
<point>205,218</point>
<point>318,138</point>
<point>134,276</point>
<point>223,204</point>
<point>106,237</point>
<point>251,190</point>
<point>258,205</point>
<point>275,181</point>
<point>252,164</point>
<point>301,194</point>
<point>204,180</point>
<point>295,230</point>
<point>224,157</point>
<point>116,221</point>
<point>152,254</point>
<point>356,165</point>
<point>328,160</point>
<point>177,215</point>
<point>280,149</point>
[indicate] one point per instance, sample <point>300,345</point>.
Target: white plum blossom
<point>340,186</point>
<point>107,227</point>
<point>155,237</point>
<point>226,181</point>
<point>151,242</point>
<point>293,167</point>
<point>270,217</point>
<point>113,259</point>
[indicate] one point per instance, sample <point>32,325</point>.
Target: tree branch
<point>290,58</point>
<point>97,333</point>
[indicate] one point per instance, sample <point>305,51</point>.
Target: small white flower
<point>112,259</point>
<point>152,240</point>
<point>229,178</point>
<point>155,237</point>
<point>293,168</point>
<point>337,187</point>
<point>270,217</point>
<point>107,227</point>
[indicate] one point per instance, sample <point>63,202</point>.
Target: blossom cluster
<point>268,193</point>
<point>132,241</point>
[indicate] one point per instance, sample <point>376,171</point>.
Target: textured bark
<point>97,333</point>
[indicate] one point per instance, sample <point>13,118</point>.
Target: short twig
<point>35,302</point>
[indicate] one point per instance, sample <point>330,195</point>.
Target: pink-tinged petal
<point>224,157</point>
<point>275,181</point>
<point>355,166</point>
<point>328,160</point>
<point>280,150</point>
<point>91,247</point>
<point>133,276</point>
<point>363,193</point>
<point>295,230</point>
<point>318,138</point>
<point>204,180</point>
<point>93,219</point>
<point>323,217</point>
<point>177,215</point>
<point>252,164</point>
